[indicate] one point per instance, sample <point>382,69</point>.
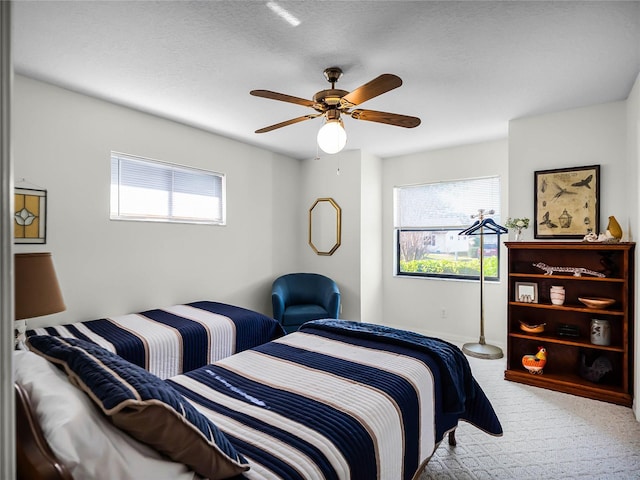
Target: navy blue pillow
<point>144,406</point>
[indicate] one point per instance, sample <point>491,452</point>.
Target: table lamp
<point>37,291</point>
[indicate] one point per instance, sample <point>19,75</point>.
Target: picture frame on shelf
<point>526,292</point>
<point>566,202</point>
<point>30,216</point>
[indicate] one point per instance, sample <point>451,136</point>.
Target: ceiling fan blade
<point>288,122</point>
<point>384,117</point>
<point>282,97</point>
<point>375,87</point>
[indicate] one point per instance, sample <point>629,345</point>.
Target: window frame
<point>494,245</point>
<point>117,214</point>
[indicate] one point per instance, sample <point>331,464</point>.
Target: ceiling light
<point>332,137</point>
<point>283,13</point>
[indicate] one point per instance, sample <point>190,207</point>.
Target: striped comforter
<point>175,339</point>
<point>328,404</point>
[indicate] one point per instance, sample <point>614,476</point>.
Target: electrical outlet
<point>443,313</point>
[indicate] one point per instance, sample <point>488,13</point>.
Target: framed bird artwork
<point>567,202</point>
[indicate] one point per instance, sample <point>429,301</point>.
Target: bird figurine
<point>535,363</point>
<point>614,228</point>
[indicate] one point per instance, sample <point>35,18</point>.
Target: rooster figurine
<point>535,363</point>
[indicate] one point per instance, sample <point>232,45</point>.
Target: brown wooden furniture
<point>34,458</point>
<point>565,354</point>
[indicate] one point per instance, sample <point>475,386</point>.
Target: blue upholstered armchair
<point>300,297</point>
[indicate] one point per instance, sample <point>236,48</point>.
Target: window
<point>148,190</point>
<point>428,219</point>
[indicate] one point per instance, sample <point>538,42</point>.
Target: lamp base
<point>482,350</point>
<point>19,332</point>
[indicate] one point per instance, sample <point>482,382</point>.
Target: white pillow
<point>78,433</point>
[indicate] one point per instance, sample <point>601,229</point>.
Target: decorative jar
<point>600,332</point>
<point>557,295</point>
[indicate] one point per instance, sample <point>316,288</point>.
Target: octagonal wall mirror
<point>325,225</point>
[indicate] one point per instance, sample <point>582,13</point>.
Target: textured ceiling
<point>467,67</point>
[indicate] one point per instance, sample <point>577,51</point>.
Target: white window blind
<point>149,190</point>
<point>445,205</point>
<point>428,219</point>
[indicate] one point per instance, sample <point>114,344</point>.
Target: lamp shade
<point>332,137</point>
<point>36,286</point>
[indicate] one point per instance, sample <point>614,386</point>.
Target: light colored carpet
<point>547,435</point>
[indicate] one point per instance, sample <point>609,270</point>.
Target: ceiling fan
<point>333,102</point>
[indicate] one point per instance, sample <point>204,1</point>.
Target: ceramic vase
<point>557,295</point>
<point>600,332</point>
<point>614,228</point>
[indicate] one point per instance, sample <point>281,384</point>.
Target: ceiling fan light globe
<point>332,137</point>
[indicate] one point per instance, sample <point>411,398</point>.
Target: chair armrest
<point>332,302</point>
<point>278,302</point>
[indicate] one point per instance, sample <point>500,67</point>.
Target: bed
<point>176,339</point>
<point>335,400</point>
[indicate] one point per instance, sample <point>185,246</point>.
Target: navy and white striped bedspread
<point>175,339</point>
<point>315,404</point>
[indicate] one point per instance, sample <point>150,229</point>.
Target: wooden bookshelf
<point>566,354</point>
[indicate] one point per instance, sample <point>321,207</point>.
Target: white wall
<point>416,303</point>
<point>352,179</point>
<point>633,200</point>
<point>320,179</point>
<point>371,266</point>
<point>593,135</point>
<point>62,142</point>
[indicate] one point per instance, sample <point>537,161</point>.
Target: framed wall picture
<point>567,202</point>
<point>30,216</point>
<point>526,292</point>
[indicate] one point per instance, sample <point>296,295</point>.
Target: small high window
<point>428,219</point>
<point>149,190</point>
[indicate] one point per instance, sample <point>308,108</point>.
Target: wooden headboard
<point>35,460</point>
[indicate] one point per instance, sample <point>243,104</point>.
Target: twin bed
<point>335,400</point>
<point>171,340</point>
